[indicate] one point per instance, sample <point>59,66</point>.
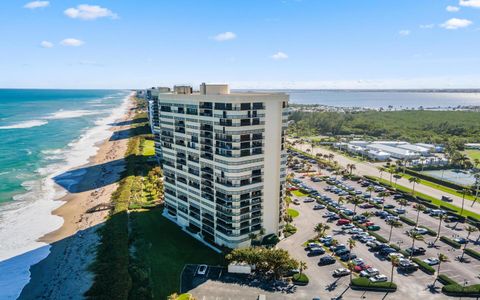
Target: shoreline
<point>64,272</point>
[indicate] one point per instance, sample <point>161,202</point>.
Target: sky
<point>311,44</point>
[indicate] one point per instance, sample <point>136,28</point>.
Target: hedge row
<point>408,221</point>
<point>423,266</point>
<point>362,283</point>
<point>452,288</point>
<point>379,238</point>
<point>300,279</point>
<point>473,253</point>
<point>450,242</point>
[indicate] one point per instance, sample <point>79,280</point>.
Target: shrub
<point>289,230</point>
<point>459,290</point>
<point>450,242</point>
<point>473,253</point>
<point>407,221</point>
<point>379,238</point>
<point>365,284</point>
<point>300,279</point>
<point>424,266</point>
<point>445,280</point>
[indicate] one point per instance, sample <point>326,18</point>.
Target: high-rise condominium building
<point>224,161</point>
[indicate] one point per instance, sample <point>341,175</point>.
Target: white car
<point>419,230</point>
<point>431,261</point>
<point>378,278</point>
<point>341,272</point>
<point>369,272</point>
<point>347,226</point>
<point>395,254</point>
<point>202,270</point>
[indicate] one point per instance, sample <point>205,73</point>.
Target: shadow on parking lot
<point>190,280</point>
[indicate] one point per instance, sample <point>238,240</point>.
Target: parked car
<point>460,240</point>
<point>370,272</point>
<point>341,272</point>
<point>348,256</point>
<point>378,278</point>
<point>386,251</point>
<point>400,211</point>
<point>415,251</point>
<point>312,245</point>
<point>325,239</point>
<point>347,226</point>
<point>447,198</point>
<point>394,255</point>
<point>326,260</point>
<point>373,228</point>
<point>316,251</point>
<point>407,264</point>
<point>342,252</point>
<point>308,200</point>
<point>296,202</point>
<point>343,222</point>
<point>389,206</point>
<point>202,270</point>
<point>338,247</point>
<point>431,261</point>
<point>318,206</point>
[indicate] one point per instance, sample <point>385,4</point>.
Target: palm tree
<point>341,200</point>
<point>397,177</point>
<point>415,236</point>
<point>393,223</point>
<point>302,266</point>
<point>403,202</point>
<point>477,185</point>
<point>320,229</point>
<point>476,162</point>
<point>355,201</point>
<point>370,189</point>
<point>414,180</point>
<point>464,192</point>
<point>351,267</point>
<point>470,230</point>
<point>391,170</point>
<point>440,219</point>
<point>441,258</point>
<point>419,208</point>
<point>351,168</point>
<point>381,170</point>
<point>395,260</point>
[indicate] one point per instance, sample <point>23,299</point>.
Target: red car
<point>343,222</point>
<point>370,223</point>
<point>361,267</point>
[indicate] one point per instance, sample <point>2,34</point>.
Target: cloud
<point>46,44</point>
<point>470,3</point>
<point>72,42</point>
<point>427,26</point>
<point>225,36</point>
<point>404,32</point>
<point>89,12</point>
<point>280,56</point>
<point>36,4</point>
<point>451,8</point>
<point>455,23</point>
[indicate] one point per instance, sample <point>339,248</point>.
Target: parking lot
<point>410,284</point>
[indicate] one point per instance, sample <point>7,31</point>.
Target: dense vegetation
<point>413,126</point>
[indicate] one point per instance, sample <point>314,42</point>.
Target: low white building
<point>415,148</point>
<point>394,152</point>
<point>378,155</point>
<point>432,147</point>
<point>430,161</point>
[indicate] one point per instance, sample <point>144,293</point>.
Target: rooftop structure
<point>224,161</point>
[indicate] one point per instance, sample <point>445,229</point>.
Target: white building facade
<point>224,161</point>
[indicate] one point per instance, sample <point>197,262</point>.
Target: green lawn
<point>441,188</point>
<point>298,193</point>
<point>435,201</point>
<point>293,213</point>
<point>473,154</point>
<point>166,249</point>
<point>148,148</point>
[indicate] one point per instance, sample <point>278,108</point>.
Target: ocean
<point>384,99</point>
<point>43,133</point>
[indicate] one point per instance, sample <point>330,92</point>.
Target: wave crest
<point>25,124</point>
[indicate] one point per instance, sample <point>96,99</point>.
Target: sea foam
<point>68,114</point>
<point>24,221</point>
<point>25,124</point>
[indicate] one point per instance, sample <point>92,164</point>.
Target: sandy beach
<point>64,273</point>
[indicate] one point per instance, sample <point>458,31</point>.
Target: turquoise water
<point>43,133</point>
<point>34,123</point>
